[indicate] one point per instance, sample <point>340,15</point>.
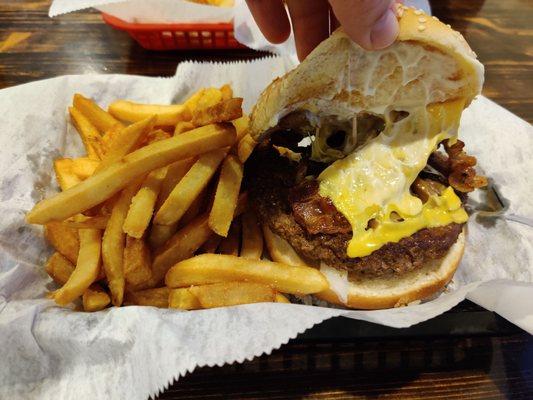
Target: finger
<point>271,17</point>
<point>370,23</point>
<point>310,23</point>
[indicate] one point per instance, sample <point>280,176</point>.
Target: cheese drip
<point>374,182</point>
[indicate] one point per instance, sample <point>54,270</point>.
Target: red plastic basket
<point>178,36</point>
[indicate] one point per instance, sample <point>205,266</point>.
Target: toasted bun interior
<point>428,63</point>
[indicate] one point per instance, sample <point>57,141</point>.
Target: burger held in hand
<point>358,170</point>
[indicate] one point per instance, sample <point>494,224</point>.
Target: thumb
<point>372,24</point>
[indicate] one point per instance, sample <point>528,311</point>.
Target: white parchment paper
<point>134,352</point>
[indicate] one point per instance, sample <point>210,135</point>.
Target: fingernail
<point>384,31</point>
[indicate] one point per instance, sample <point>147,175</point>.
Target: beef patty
<point>316,230</point>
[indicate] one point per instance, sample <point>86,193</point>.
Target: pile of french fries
<point>155,215</point>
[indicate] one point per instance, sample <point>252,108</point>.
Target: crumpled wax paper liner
<point>134,352</point>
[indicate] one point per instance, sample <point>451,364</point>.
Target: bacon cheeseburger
<point>348,175</point>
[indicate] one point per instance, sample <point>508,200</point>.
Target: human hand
<point>370,23</point>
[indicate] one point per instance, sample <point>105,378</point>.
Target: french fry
<point>280,250</point>
<point>113,244</point>
<point>101,119</point>
<point>156,136</point>
<point>65,177</point>
<point>59,268</point>
<point>225,294</point>
<point>84,167</point>
<point>214,268</point>
<point>188,188</point>
<point>183,299</point>
<point>187,241</point>
<point>182,127</point>
<point>64,239</point>
<point>95,298</point>
<point>143,203</point>
<point>87,267</point>
<point>252,237</point>
<point>166,115</point>
<point>175,172</point>
<point>245,147</point>
<point>105,184</point>
<point>227,92</point>
<point>137,262</point>
<point>224,111</point>
<point>180,246</point>
<point>211,244</point>
<point>194,210</point>
<point>90,136</point>
<point>241,126</point>
<point>125,141</point>
<point>230,244</point>
<point>281,299</point>
<point>225,202</point>
<point>160,234</point>
<point>157,297</point>
<point>80,221</point>
<point>204,98</point>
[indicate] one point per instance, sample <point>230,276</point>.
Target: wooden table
<point>465,353</point>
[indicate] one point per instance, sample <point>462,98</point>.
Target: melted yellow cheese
<point>374,181</point>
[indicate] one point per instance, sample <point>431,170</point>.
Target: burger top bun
<point>428,63</point>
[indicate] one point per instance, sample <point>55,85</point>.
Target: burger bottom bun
<point>396,291</point>
<point>384,292</point>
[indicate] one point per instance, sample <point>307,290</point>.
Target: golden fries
<point>188,189</point>
<point>157,297</point>
<point>226,294</point>
<point>59,268</point>
<point>182,127</point>
<point>63,239</point>
<point>125,141</point>
<point>137,262</point>
<point>227,92</point>
<point>143,203</point>
<point>204,98</point>
<point>105,184</point>
<point>159,234</point>
<point>65,177</point>
<point>252,237</point>
<point>241,126</point>
<point>89,134</point>
<point>226,196</point>
<point>95,298</point>
<point>166,115</point>
<point>84,167</point>
<point>280,250</point>
<point>183,299</point>
<point>281,299</point>
<point>213,268</point>
<point>245,147</point>
<point>226,110</point>
<point>101,119</point>
<point>87,267</point>
<point>113,244</point>
<point>230,244</point>
<point>97,222</point>
<point>156,136</point>
<point>175,172</point>
<point>181,246</point>
<point>140,186</point>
